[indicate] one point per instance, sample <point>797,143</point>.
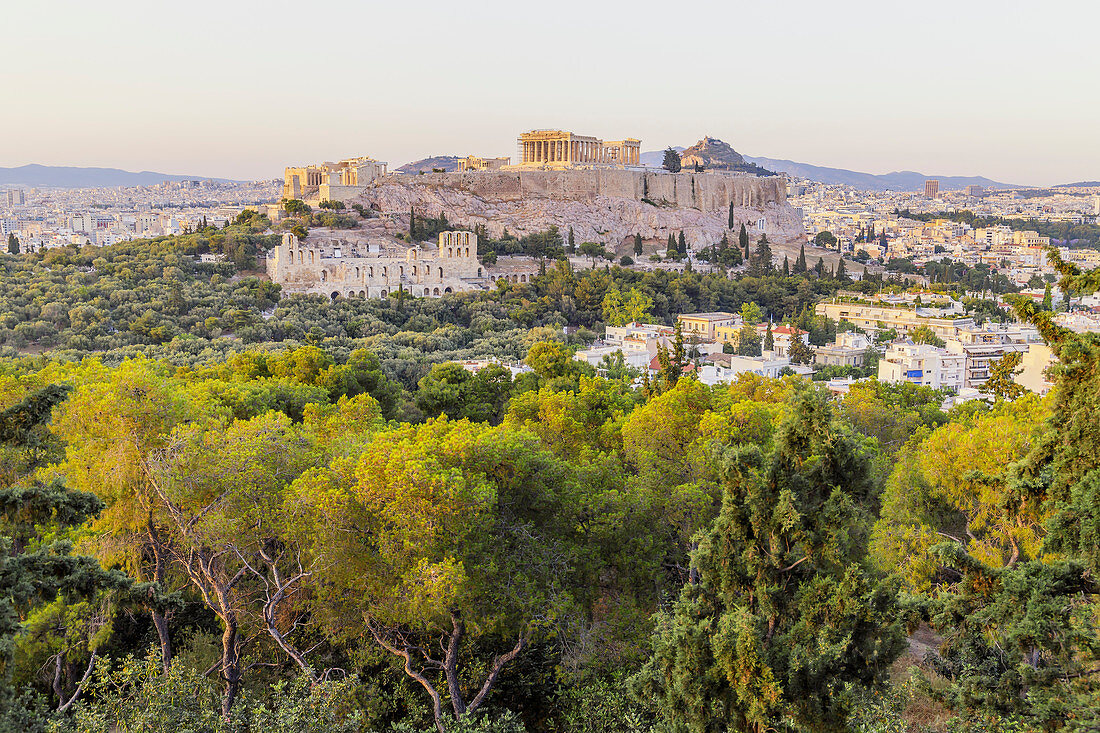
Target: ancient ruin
<point>332,181</point>
<point>549,149</point>
<point>353,264</point>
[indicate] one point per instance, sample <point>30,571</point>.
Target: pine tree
<point>671,162</point>
<point>637,243</point>
<point>749,645</point>
<point>13,244</point>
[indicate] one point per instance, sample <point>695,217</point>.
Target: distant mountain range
<point>72,177</point>
<point>897,181</point>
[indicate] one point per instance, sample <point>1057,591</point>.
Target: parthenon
<point>560,149</point>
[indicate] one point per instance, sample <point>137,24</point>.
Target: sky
<point>239,89</point>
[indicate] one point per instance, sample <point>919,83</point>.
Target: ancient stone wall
<point>703,191</point>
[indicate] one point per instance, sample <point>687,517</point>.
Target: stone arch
<point>414,270</point>
<point>425,291</point>
<point>436,293</point>
<point>311,257</point>
<point>450,252</point>
<point>467,251</point>
<point>362,293</point>
<point>301,257</point>
<point>335,295</point>
<point>383,272</point>
<point>370,271</point>
<point>324,276</point>
<point>447,290</point>
<point>356,273</point>
<point>523,278</point>
<point>384,293</point>
<point>401,271</point>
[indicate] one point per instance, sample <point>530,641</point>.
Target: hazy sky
<point>235,88</point>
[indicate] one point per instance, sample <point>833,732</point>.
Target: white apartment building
<point>922,364</point>
<point>981,348</point>
<point>720,368</point>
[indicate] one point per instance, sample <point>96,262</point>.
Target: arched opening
<point>479,272</point>
<point>356,273</point>
<point>362,293</point>
<point>414,270</point>
<point>450,252</point>
<point>440,273</point>
<point>311,257</point>
<point>335,295</point>
<point>447,290</point>
<point>384,293</point>
<point>425,291</point>
<point>384,272</point>
<point>523,278</point>
<point>437,292</point>
<point>324,276</point>
<point>370,271</point>
<point>301,257</point>
<point>467,251</point>
<point>401,271</point>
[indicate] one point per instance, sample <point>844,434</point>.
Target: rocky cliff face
<point>594,218</point>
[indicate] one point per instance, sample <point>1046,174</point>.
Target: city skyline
<point>977,88</point>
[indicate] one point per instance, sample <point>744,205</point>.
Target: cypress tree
<point>681,244</point>
<point>786,267</point>
<point>769,339</point>
<point>841,273</point>
<point>670,253</point>
<point>572,242</point>
<point>637,242</point>
<point>730,222</point>
<point>743,242</point>
<point>800,263</point>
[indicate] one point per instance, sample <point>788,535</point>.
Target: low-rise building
<point>704,326</point>
<point>719,368</point>
<point>904,320</point>
<point>922,364</point>
<point>849,349</point>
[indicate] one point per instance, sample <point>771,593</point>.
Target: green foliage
<point>1001,372</point>
<point>139,695</point>
<point>782,617</point>
<point>925,335</point>
<point>671,162</point>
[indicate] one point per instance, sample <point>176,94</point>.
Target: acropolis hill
<point>567,181</point>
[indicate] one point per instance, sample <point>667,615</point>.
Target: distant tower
<point>931,188</point>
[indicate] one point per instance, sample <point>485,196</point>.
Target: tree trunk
<point>450,665</point>
<point>231,664</point>
<point>160,618</point>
